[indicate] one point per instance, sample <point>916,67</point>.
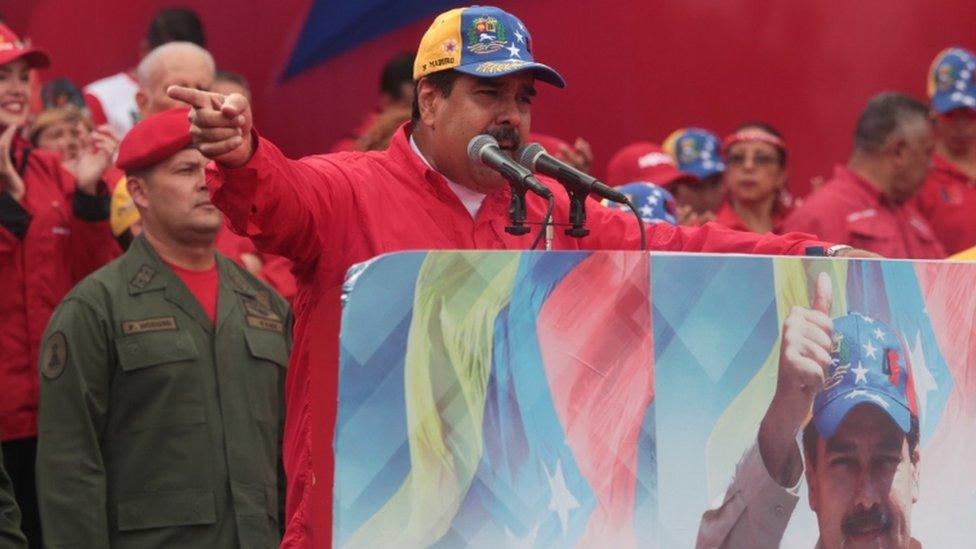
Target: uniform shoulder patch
<point>54,355</point>
<point>143,277</point>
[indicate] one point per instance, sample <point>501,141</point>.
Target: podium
<point>604,399</point>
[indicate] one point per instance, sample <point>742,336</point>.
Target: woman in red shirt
<point>755,180</point>
<point>53,231</point>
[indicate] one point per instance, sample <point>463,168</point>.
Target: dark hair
<point>175,25</point>
<point>768,128</point>
<point>884,115</point>
<point>810,436</point>
<point>396,72</point>
<point>233,77</point>
<point>443,81</point>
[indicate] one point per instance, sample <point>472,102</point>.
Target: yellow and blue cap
<point>480,41</point>
<point>952,80</point>
<point>696,151</point>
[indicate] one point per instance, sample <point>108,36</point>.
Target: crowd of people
<point>152,245</point>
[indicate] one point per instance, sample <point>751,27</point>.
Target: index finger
<point>195,98</point>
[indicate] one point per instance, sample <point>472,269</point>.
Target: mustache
<point>505,133</point>
<point>874,518</point>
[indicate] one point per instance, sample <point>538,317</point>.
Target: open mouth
<point>14,107</point>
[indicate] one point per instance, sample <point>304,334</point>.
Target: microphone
<point>483,149</point>
<point>534,157</point>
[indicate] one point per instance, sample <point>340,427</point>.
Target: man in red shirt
<point>867,204</point>
<point>948,198</point>
<point>326,213</point>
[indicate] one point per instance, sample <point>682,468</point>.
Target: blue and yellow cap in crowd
<point>869,365</point>
<point>952,80</point>
<point>696,151</point>
<point>480,41</point>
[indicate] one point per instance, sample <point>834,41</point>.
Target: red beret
<point>154,139</point>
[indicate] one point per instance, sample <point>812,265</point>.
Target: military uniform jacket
<point>157,428</point>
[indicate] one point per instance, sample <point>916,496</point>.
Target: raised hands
<point>94,157</point>
<point>10,180</point>
<point>220,124</point>
<point>804,357</point>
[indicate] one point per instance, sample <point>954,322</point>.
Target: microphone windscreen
<point>477,144</point>
<point>528,154</point>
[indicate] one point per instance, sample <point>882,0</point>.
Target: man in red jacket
<point>948,197</point>
<point>867,203</point>
<point>326,213</point>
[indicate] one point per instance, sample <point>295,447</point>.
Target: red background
<point>635,72</point>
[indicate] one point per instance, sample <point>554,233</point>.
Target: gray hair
<point>885,115</point>
<point>145,69</point>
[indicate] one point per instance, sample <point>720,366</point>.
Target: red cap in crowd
<point>643,162</point>
<point>154,139</point>
<point>12,49</point>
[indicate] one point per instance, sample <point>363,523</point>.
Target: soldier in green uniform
<point>162,378</point>
<point>10,535</point>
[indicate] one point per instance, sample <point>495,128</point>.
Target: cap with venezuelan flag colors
<point>480,41</point>
<point>697,151</point>
<point>952,80</point>
<point>869,365</point>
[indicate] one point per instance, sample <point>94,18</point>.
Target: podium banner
<point>581,399</point>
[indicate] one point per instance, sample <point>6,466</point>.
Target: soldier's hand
<point>10,180</point>
<point>803,361</point>
<point>220,124</point>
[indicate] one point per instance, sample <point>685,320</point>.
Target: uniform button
<point>780,511</point>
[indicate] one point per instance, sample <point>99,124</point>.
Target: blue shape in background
<point>333,27</point>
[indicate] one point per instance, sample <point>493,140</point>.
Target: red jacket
<point>948,202</point>
<point>37,268</point>
<point>726,217</point>
<point>326,213</point>
<point>850,210</point>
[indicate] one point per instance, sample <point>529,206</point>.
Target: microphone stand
<point>516,212</point>
<point>577,213</point>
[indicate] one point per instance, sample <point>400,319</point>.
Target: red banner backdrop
<point>636,70</point>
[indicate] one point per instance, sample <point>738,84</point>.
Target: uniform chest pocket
<point>265,382</point>
<point>160,383</point>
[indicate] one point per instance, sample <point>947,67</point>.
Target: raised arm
<point>291,208</point>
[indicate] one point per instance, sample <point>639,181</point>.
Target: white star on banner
<point>870,350</point>
<point>921,376</point>
<point>513,51</point>
<point>860,374</point>
<point>867,319</point>
<point>562,501</point>
<point>879,333</point>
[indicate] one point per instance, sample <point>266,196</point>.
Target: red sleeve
<point>617,230</point>
<point>96,110</point>
<point>277,273</point>
<point>815,219</point>
<point>287,207</point>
